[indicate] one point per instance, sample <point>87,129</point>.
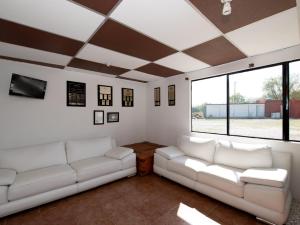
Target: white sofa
<point>35,175</point>
<point>250,177</point>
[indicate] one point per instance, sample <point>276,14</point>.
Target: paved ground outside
<point>270,128</point>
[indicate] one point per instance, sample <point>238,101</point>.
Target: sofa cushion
<point>169,152</point>
<point>95,167</point>
<point>249,146</point>
<point>266,196</point>
<point>198,147</point>
<point>244,158</point>
<point>119,152</point>
<point>87,148</point>
<point>223,178</point>
<point>186,166</point>
<point>21,159</point>
<point>7,176</point>
<point>3,194</point>
<point>269,177</point>
<point>41,180</point>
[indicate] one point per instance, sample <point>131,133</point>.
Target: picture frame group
<point>171,95</point>
<point>76,95</point>
<point>111,117</point>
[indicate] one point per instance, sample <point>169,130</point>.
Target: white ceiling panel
<point>133,74</point>
<point>273,33</point>
<point>21,52</point>
<point>102,55</point>
<point>182,62</point>
<point>56,16</point>
<point>175,23</point>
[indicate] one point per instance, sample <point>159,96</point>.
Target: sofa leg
<point>264,221</point>
<point>131,175</point>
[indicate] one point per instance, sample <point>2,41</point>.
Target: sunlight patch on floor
<point>193,216</point>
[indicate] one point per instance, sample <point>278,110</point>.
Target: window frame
<point>285,101</point>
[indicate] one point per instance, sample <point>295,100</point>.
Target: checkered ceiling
<point>143,39</point>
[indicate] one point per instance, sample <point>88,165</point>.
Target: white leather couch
<point>250,177</point>
<point>35,175</point>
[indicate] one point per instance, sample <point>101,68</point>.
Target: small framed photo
<point>76,94</point>
<point>157,96</point>
<point>112,117</point>
<point>98,117</point>
<point>127,97</point>
<point>171,95</point>
<point>105,95</point>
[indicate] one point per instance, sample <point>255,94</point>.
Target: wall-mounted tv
<point>27,87</point>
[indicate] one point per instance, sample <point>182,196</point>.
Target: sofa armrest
<point>269,177</point>
<point>169,152</point>
<point>119,152</point>
<point>7,176</point>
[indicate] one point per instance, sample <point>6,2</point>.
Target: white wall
<point>26,121</point>
<point>166,123</point>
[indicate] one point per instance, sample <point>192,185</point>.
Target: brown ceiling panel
<point>102,6</point>
<point>32,62</point>
<point>117,37</point>
<point>243,13</point>
<point>17,34</point>
<point>158,70</point>
<point>97,67</point>
<point>216,52</point>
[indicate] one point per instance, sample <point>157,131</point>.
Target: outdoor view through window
<point>209,105</point>
<point>255,103</point>
<point>295,101</point>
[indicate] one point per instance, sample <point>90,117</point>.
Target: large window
<point>261,103</point>
<point>209,105</point>
<point>294,95</point>
<point>256,103</point>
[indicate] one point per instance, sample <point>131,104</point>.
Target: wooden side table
<point>144,156</point>
<point>144,163</point>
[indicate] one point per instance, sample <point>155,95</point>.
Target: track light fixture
<point>227,7</point>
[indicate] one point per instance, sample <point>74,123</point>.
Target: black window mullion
<point>285,102</point>
<point>228,106</point>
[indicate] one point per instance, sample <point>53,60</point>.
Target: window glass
<point>295,100</point>
<point>209,108</point>
<point>256,103</point>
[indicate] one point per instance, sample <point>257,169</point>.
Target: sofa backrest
<point>200,148</point>
<point>88,148</point>
<point>33,157</point>
<point>244,156</point>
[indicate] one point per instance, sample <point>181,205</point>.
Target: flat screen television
<point>27,86</point>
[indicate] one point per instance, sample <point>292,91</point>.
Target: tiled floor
<point>148,200</point>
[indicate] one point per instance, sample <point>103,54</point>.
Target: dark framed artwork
<point>127,97</point>
<point>112,117</point>
<point>76,94</point>
<point>98,117</point>
<point>157,96</point>
<point>105,95</point>
<point>171,95</point>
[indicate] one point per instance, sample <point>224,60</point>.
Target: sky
<point>249,84</point>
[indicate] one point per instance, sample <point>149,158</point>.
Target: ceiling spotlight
<point>227,7</point>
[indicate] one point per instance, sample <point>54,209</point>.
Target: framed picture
<point>171,95</point>
<point>112,117</point>
<point>127,97</point>
<point>157,96</point>
<point>98,117</point>
<point>76,94</point>
<point>105,95</point>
